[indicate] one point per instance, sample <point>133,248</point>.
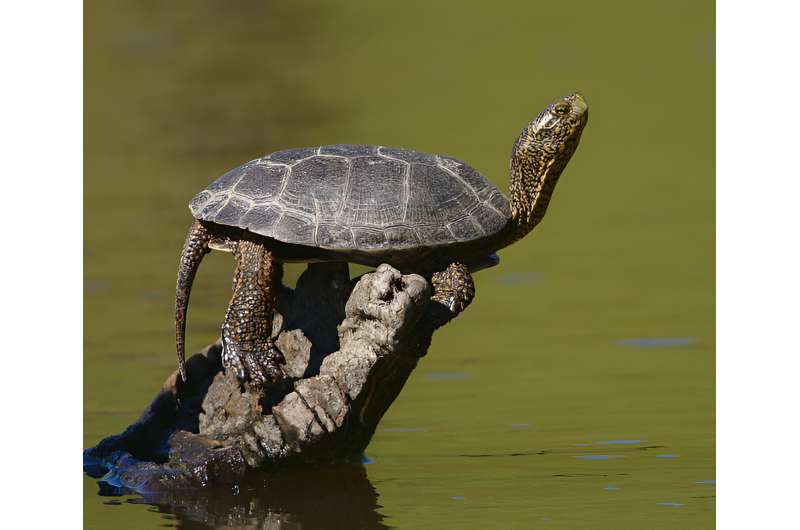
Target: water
<point>593,338</point>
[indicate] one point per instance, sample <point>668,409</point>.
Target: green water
<point>501,424</point>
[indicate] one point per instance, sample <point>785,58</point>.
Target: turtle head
<point>540,154</point>
<point>557,129</point>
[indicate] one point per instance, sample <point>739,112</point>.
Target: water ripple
<point>658,342</point>
<point>447,376</point>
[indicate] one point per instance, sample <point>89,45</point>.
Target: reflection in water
<point>337,496</point>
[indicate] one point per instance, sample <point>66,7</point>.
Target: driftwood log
<point>350,346</point>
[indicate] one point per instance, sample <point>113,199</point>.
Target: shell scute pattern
<point>208,209</point>
<point>228,179</point>
<point>408,155</point>
<point>232,212</point>
<point>434,235</point>
<point>399,236</point>
<point>469,175</point>
<point>199,201</point>
<point>465,229</point>
<point>261,181</point>
<point>348,150</point>
<point>375,193</point>
<point>290,156</point>
<point>262,218</point>
<point>334,236</point>
<point>294,228</point>
<point>316,186</point>
<point>356,197</point>
<point>369,237</point>
<point>488,218</point>
<point>500,204</point>
<point>436,198</point>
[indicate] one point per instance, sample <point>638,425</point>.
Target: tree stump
<point>349,345</point>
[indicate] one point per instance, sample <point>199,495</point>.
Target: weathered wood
<point>350,346</point>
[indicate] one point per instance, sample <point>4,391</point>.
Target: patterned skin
<point>420,213</point>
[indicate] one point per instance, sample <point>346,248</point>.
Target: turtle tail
<point>194,249</point>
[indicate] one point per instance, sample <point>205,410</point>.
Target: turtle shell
<point>356,197</point>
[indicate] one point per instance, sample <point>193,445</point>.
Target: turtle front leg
<point>247,346</point>
<point>454,289</point>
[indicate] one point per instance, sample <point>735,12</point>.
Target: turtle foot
<point>259,368</point>
<point>453,288</point>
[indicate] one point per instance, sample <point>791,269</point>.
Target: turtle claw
<point>452,304</point>
<point>260,368</point>
<point>264,367</point>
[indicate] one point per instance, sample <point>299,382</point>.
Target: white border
<point>42,205</point>
<point>757,263</point>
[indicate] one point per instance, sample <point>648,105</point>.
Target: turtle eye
<point>561,108</point>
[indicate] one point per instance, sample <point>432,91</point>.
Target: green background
<point>178,92</point>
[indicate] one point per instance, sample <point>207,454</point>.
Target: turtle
<point>433,215</point>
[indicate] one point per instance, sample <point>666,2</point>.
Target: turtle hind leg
<point>247,346</point>
<point>453,289</point>
<point>194,248</point>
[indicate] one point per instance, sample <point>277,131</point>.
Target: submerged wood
<point>349,345</point>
